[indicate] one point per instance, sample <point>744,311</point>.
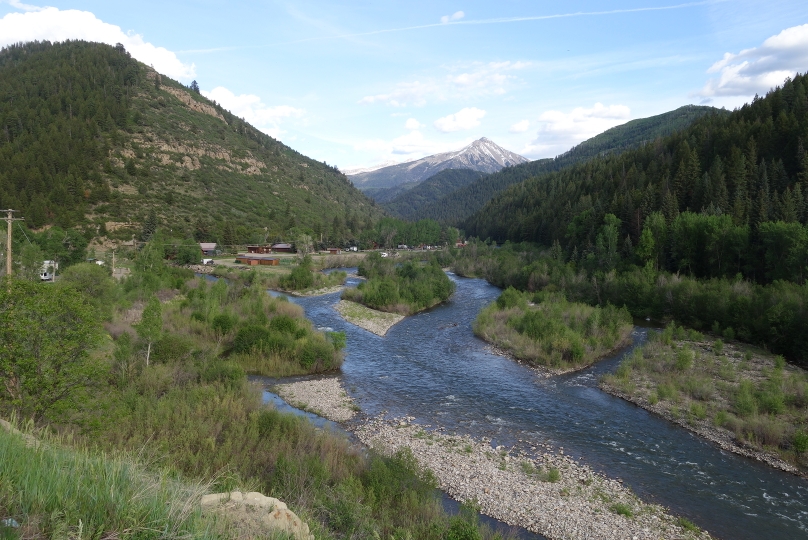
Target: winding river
<point>432,367</point>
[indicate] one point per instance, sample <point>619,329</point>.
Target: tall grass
<point>59,492</point>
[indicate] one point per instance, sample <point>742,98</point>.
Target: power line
<point>9,219</point>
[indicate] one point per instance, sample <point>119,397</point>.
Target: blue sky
<point>366,82</point>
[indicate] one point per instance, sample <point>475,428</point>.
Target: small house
<point>255,248</point>
<point>282,248</point>
<point>334,251</point>
<point>208,248</point>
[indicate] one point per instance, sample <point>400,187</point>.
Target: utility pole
<point>9,219</point>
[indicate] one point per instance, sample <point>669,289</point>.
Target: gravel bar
<point>514,487</point>
<point>323,397</point>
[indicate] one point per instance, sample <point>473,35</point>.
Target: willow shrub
<point>546,329</point>
<point>266,335</point>
<point>404,288</point>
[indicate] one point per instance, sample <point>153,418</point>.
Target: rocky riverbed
<point>538,488</point>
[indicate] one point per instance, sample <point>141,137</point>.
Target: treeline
<point>726,182</point>
<point>404,288</point>
<point>774,315</point>
<point>391,232</point>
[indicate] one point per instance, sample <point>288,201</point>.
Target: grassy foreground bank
<point>748,400</point>
<point>546,330</point>
<point>52,490</point>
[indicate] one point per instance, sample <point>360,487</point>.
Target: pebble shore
<point>323,397</point>
<point>514,486</point>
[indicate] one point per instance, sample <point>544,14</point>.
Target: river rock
<point>254,514</point>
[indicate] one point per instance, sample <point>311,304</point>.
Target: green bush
<point>510,298</point>
<point>684,359</point>
<point>283,323</point>
<point>744,402</point>
<point>228,373</point>
<point>223,323</point>
<point>249,337</point>
<point>317,352</point>
<point>172,348</point>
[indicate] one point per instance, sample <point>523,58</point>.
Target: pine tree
<point>149,226</point>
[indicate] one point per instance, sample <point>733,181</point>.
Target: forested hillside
<point>725,196</point>
<point>455,207</point>
<point>407,204</point>
<point>91,137</point>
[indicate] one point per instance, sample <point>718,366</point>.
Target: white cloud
<point>53,24</point>
<point>456,16</point>
<point>759,69</point>
<point>251,108</point>
<point>463,119</point>
<point>25,7</point>
<point>520,127</point>
<point>413,145</point>
<point>412,123</point>
<point>462,82</point>
<point>560,131</point>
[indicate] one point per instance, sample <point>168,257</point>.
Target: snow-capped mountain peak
<point>481,155</point>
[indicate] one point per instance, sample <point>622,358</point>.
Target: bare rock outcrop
<point>253,513</point>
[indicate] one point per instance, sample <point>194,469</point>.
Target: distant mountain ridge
<point>456,206</point>
<point>482,155</point>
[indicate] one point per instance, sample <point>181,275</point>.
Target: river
<point>432,367</point>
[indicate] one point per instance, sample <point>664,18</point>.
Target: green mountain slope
<point>406,205</point>
<point>727,195</point>
<point>90,137</point>
<point>457,206</point>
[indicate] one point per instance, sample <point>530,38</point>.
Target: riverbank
<point>552,371</point>
<point>745,400</point>
<point>378,322</point>
<point>539,489</point>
